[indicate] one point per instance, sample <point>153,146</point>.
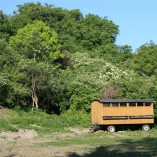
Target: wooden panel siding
<point>107,112</point>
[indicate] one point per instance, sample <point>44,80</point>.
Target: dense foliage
<point>59,60</point>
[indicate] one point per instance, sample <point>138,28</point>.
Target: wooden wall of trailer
<point>121,115</point>
<point>96,108</point>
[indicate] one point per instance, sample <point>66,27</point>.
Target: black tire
<point>111,129</point>
<point>145,127</point>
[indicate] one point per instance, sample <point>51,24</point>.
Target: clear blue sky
<point>137,19</point>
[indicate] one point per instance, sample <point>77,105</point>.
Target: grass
<point>53,135</point>
<point>93,139</point>
<point>129,143</point>
<point>13,120</point>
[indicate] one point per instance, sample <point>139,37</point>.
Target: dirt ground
<point>77,142</point>
<point>27,143</point>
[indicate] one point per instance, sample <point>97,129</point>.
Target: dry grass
<point>72,144</point>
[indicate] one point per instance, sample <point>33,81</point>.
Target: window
<point>132,104</point>
<point>148,104</point>
<point>114,104</point>
<point>140,104</point>
<point>123,104</point>
<point>106,104</point>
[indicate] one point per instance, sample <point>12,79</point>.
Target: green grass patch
<point>129,143</point>
<point>5,125</point>
<point>40,121</point>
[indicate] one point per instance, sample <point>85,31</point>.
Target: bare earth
<point>26,143</point>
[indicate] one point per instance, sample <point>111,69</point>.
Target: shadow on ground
<point>127,148</point>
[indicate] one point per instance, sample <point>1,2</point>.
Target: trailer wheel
<point>145,127</point>
<point>111,129</point>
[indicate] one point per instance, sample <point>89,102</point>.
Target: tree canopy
<point>59,60</point>
<point>146,59</point>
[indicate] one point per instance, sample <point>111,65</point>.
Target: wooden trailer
<point>111,113</point>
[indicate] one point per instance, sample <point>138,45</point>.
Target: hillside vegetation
<point>58,60</point>
<point>16,119</point>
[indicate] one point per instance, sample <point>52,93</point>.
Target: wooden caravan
<point>109,113</point>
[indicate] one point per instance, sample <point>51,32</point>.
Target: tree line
<point>58,60</point>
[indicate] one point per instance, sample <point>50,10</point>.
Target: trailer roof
<point>123,100</point>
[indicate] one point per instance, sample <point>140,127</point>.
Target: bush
<point>41,121</point>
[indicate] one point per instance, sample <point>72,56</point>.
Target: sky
<point>136,18</point>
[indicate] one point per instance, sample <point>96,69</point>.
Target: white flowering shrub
<point>3,79</point>
<point>88,78</point>
<point>97,71</point>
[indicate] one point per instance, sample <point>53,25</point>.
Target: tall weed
<point>43,122</point>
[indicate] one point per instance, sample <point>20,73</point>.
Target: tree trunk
<point>34,95</point>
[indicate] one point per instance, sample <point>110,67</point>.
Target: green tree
<point>60,60</point>
<point>12,91</point>
<point>75,32</point>
<point>96,31</point>
<point>145,60</point>
<point>38,47</point>
<point>37,41</point>
<point>137,88</point>
<point>4,25</point>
